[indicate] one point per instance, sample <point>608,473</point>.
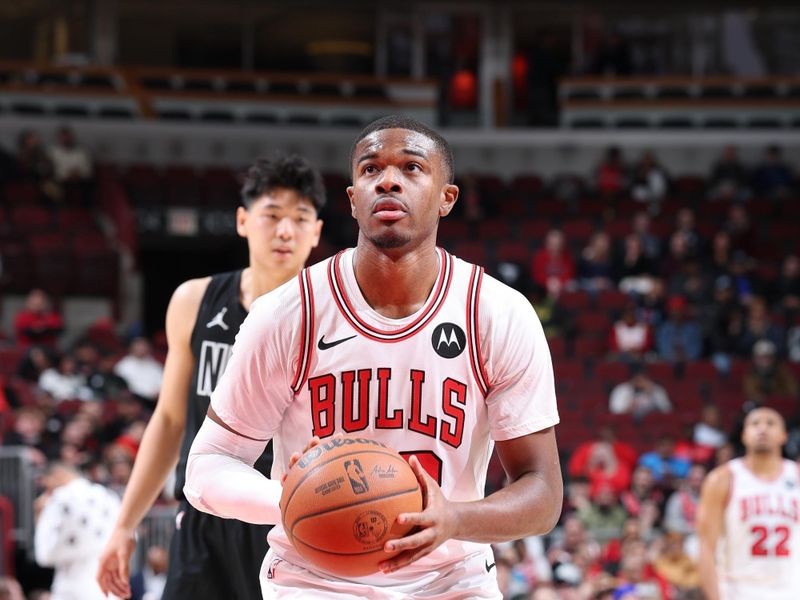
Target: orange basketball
<point>341,500</point>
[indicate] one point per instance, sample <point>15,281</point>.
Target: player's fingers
<point>420,519</point>
<point>404,558</point>
<point>314,441</point>
<point>415,540</point>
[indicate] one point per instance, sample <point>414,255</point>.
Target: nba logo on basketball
<point>356,475</point>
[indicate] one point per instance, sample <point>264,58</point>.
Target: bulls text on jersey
<point>355,391</point>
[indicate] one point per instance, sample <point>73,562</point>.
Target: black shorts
<point>214,559</point>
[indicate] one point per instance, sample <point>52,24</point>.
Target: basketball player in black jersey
<point>213,558</point>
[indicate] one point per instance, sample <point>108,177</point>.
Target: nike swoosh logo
<point>323,345</point>
<point>489,567</point>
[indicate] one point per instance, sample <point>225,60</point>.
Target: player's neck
<point>257,282</point>
<point>766,464</point>
<point>396,286</point>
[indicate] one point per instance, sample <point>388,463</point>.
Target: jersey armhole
<point>473,329</point>
<point>204,299</point>
<point>729,493</point>
<point>306,330</point>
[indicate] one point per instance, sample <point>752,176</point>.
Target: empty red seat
<point>613,300</point>
<point>513,251</point>
<point>473,252</point>
<point>568,369</point>
<point>593,323</point>
<point>453,229</point>
<point>590,347</point>
<point>578,230</point>
<point>612,372</point>
<point>703,370</point>
<point>32,219</point>
<point>534,231</point>
<point>22,193</point>
<point>76,220</point>
<point>577,300</point>
<point>10,357</point>
<point>661,372</point>
<point>494,229</point>
<point>526,184</point>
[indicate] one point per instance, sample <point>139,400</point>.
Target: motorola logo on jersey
<point>448,340</point>
<point>214,358</point>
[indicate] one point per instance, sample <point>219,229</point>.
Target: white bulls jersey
<point>759,556</point>
<point>470,367</point>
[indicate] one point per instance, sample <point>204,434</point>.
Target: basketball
<point>341,500</point>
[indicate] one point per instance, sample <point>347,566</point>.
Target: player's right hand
<point>113,573</point>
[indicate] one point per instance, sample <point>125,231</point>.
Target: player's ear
<point>241,221</point>
<point>352,204</point>
<point>317,232</point>
<point>448,199</point>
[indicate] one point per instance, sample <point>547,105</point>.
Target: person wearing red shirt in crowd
<point>37,323</point>
<point>604,461</point>
<point>611,179</point>
<point>553,267</point>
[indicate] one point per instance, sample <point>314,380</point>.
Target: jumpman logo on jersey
<point>218,320</point>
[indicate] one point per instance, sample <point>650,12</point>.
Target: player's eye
<point>370,169</point>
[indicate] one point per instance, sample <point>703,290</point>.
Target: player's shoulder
<point>498,299</point>
<point>719,479</point>
<point>190,292</point>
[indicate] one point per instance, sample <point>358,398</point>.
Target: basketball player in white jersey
<point>748,520</point>
<point>399,341</point>
<point>211,558</point>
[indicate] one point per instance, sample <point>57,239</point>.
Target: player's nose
<point>388,181</point>
<point>285,229</point>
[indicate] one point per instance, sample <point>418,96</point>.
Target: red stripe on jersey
<point>429,312</point>
<point>478,354</point>
<point>307,329</point>
<point>473,332</point>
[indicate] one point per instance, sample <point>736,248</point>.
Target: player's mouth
<point>389,209</point>
<point>282,252</point>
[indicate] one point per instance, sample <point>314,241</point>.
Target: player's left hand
<point>432,527</point>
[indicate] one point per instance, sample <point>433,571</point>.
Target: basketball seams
<point>343,507</point>
<point>328,461</point>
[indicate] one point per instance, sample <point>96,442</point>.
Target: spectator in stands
<point>686,223</point>
<point>639,579</point>
<point>729,179</point>
<point>630,339</point>
<point>692,283</point>
<point>679,338</point>
<point>148,584</point>
<point>35,362</point>
<point>595,269</point>
<point>65,382</point>
<point>651,304</point>
<point>773,177</point>
<point>741,272</point>
<point>104,382</point>
<point>679,253</point>
<point>707,432</point>
<point>768,377</point>
<point>604,517</point>
<point>739,228</point>
<point>649,183</point>
<point>787,287</point>
<point>473,208</point>
<point>33,162</point>
<point>74,518</point>
<point>639,396</point>
<point>71,162</point>
<point>650,244</point>
<point>634,269</point>
<point>719,261</point>
<point>611,179</point>
<point>10,589</point>
<point>37,323</point>
<point>759,326</point>
<point>679,514</point>
<point>30,430</point>
<point>604,460</point>
<point>140,370</point>
<point>677,568</point>
<point>642,490</point>
<point>664,463</point>
<point>553,268</point>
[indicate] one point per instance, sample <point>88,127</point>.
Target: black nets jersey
<point>218,320</point>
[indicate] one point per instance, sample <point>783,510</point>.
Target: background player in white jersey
<point>748,520</point>
<point>385,306</point>
<point>280,199</point>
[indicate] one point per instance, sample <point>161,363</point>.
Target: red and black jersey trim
<point>473,329</point>
<point>434,304</point>
<point>306,330</point>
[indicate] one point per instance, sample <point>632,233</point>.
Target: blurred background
<point>631,168</point>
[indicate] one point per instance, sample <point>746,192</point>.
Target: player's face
<point>400,188</point>
<point>764,431</point>
<point>281,229</point>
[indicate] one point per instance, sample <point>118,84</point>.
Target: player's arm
<point>160,447</point>
<point>245,409</point>
<point>710,521</point>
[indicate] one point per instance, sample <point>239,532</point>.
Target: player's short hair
<point>401,122</point>
<point>283,171</point>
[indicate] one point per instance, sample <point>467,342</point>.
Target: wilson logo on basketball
<point>355,473</point>
<point>370,527</point>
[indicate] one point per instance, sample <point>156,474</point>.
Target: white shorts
<point>475,577</point>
